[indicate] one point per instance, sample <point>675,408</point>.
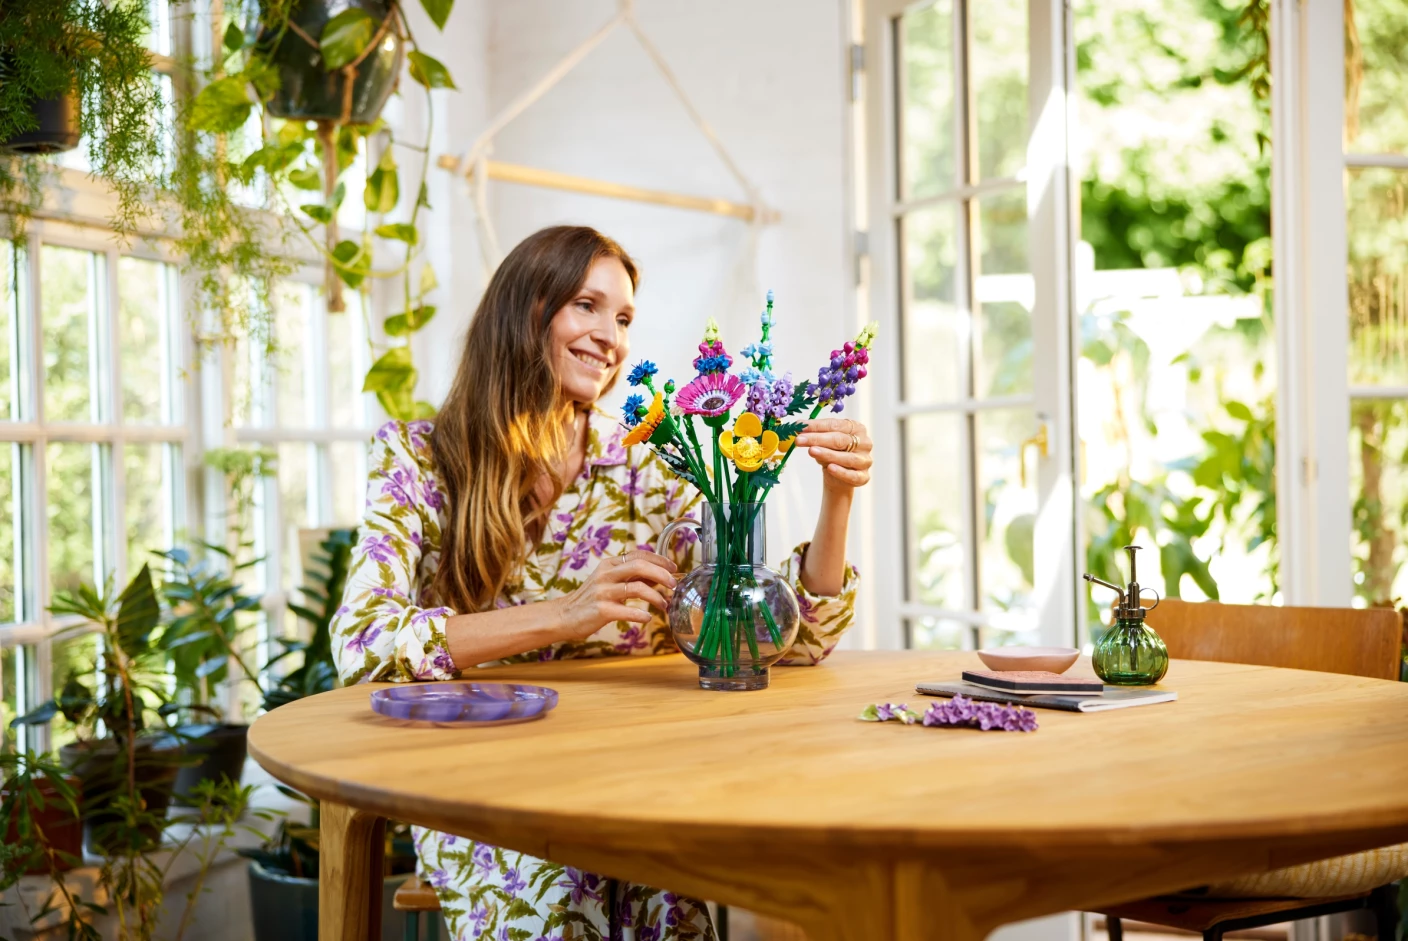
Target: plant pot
<point>62,830</point>
<point>58,128</point>
<point>285,908</point>
<point>101,767</point>
<point>732,615</point>
<point>220,751</point>
<point>308,91</point>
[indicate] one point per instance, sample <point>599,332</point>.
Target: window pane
<point>10,659</point>
<point>998,75</point>
<point>1376,77</point>
<point>293,495</point>
<point>293,302</point>
<point>148,479</point>
<point>145,317</point>
<point>344,375</point>
<point>1003,296</point>
<point>1377,201</point>
<point>935,484</point>
<point>939,634</point>
<point>71,286</point>
<point>71,656</point>
<point>1007,519</point>
<point>1379,483</point>
<point>349,482</point>
<point>935,329</point>
<point>927,124</point>
<point>10,259</point>
<point>71,506</point>
<point>9,590</point>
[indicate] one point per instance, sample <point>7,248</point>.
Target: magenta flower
<point>962,711</point>
<point>710,394</point>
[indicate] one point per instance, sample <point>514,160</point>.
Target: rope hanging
<point>476,166</point>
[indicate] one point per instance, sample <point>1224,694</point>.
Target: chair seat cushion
<point>1339,875</point>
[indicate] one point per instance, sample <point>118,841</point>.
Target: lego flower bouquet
<point>732,615</point>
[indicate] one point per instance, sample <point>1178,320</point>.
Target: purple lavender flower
<point>837,380</point>
<point>581,885</point>
<point>478,916</point>
<point>443,661</point>
<point>672,910</point>
<point>483,860</point>
<point>648,933</point>
<point>757,398</point>
<point>633,486</point>
<point>780,397</point>
<point>594,542</point>
<point>632,638</point>
<point>379,548</point>
<point>439,878</point>
<point>888,710</point>
<point>512,883</point>
<point>432,495</point>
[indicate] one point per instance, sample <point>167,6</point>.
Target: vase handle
<point>668,532</point>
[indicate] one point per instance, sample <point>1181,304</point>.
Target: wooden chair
<point>1330,640</point>
<point>413,898</point>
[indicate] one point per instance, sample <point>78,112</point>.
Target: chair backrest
<point>1359,642</point>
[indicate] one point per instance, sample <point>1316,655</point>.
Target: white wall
<point>770,79</point>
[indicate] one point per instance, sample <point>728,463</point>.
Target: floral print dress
<point>389,627</point>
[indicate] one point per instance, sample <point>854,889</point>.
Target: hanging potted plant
<point>71,70</point>
<point>317,74</point>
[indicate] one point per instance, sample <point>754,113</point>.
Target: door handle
<point>1041,442</point>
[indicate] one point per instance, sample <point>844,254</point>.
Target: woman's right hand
<point>601,599</point>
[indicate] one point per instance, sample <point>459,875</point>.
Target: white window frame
<point>1051,219</point>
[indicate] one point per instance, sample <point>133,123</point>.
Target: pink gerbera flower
<point>710,394</point>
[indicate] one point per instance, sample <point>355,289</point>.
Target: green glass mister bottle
<point>1130,653</point>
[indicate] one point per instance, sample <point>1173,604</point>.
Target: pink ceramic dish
<point>1050,659</point>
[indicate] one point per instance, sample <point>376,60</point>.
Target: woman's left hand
<point>842,447</point>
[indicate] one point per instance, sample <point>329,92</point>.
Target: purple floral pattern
<point>391,627</point>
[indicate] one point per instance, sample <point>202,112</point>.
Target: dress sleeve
<point>380,632</point>
<point>824,617</point>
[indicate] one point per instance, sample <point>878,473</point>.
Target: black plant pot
<point>101,767</point>
<point>308,91</point>
<point>214,752</point>
<point>58,128</point>
<point>285,908</point>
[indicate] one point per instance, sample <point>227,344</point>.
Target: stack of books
<point>1047,691</point>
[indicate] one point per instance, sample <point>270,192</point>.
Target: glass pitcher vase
<point>731,615</point>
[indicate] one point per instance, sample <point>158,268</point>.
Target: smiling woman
<point>518,528</point>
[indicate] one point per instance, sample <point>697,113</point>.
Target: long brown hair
<point>503,427</point>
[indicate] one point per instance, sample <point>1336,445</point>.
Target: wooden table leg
<point>908,901</point>
<point>349,874</point>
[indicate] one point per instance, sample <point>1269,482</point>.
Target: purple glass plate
<point>464,703</point>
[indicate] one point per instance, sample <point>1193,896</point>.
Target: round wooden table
<point>782,802</point>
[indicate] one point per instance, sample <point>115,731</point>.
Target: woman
<point>517,528</point>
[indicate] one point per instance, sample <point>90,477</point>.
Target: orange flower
<point>648,424</point>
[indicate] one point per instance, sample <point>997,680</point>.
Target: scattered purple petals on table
<point>960,711</point>
<point>889,712</point>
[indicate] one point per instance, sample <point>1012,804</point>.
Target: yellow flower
<point>648,424</point>
<point>747,444</point>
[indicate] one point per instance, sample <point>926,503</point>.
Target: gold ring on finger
<point>855,443</point>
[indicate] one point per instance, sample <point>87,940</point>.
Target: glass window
<point>926,40</point>
<point>1376,77</point>
<point>71,285</point>
<point>147,290</point>
<point>1377,201</point>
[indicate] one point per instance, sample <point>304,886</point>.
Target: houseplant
<point>200,637</point>
<point>71,69</point>
<point>316,74</point>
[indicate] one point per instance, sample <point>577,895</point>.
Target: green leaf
<point>429,71</point>
<point>138,612</point>
<point>306,178</point>
<point>317,212</point>
<point>400,231</point>
<point>213,665</point>
<point>424,410</point>
<point>393,371</point>
<point>1238,411</point>
<point>383,186</point>
<point>353,263</point>
<point>234,38</point>
<point>423,197</point>
<point>221,107</point>
<point>412,320</point>
<point>39,716</point>
<point>438,11</point>
<point>398,403</point>
<point>428,282</point>
<point>345,36</point>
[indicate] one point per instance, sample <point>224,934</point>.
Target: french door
<point>969,215</point>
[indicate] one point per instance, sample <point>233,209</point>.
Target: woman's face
<point>588,336</point>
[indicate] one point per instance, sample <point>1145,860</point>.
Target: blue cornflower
<point>633,405</point>
<point>641,371</point>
